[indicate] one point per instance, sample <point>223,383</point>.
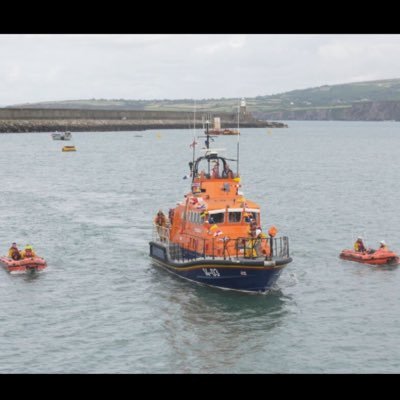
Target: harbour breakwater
<point>49,120</point>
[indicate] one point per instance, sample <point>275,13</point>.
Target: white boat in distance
<point>61,136</point>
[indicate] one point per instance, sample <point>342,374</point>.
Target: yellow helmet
<point>28,247</point>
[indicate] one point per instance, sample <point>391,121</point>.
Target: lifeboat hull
<point>376,258</point>
<point>34,264</point>
<point>247,275</point>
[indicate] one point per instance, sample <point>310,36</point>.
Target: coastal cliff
<point>363,111</point>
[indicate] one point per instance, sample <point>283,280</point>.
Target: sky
<point>53,67</point>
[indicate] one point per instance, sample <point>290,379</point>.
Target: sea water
<point>102,307</point>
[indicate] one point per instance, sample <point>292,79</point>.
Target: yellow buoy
<point>69,148</point>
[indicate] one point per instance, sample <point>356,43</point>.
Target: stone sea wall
<point>49,120</point>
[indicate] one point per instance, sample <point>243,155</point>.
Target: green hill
<point>332,95</point>
<point>327,96</point>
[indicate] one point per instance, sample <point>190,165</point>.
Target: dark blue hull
<point>248,275</point>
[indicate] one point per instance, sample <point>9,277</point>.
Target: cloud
<point>56,67</point>
<point>12,74</point>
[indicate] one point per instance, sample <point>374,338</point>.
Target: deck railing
<point>221,247</point>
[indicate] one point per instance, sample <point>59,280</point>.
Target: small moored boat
<point>61,136</point>
<point>69,148</point>
<point>217,130</point>
<point>224,132</point>
<point>378,257</point>
<point>31,264</point>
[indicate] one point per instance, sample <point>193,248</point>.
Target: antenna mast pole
<point>208,144</point>
<point>194,136</point>
<point>238,142</point>
<point>207,135</point>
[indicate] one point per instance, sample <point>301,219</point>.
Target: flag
<point>193,144</point>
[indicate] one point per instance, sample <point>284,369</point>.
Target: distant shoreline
<point>88,125</point>
<point>75,120</point>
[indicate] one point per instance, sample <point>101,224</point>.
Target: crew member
<point>161,222</point>
<point>14,253</point>
<point>28,252</point>
<point>359,245</point>
<point>383,246</point>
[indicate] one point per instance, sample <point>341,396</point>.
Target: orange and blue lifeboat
<point>213,237</point>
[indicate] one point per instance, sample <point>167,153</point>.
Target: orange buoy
<point>272,231</point>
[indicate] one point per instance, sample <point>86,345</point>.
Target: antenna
<point>194,136</point>
<point>207,135</point>
<point>238,142</point>
<point>208,144</point>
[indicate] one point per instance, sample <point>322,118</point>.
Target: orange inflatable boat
<point>378,257</point>
<point>25,265</point>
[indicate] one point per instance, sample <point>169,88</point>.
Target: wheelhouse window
<point>217,218</point>
<point>193,217</point>
<point>235,216</point>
